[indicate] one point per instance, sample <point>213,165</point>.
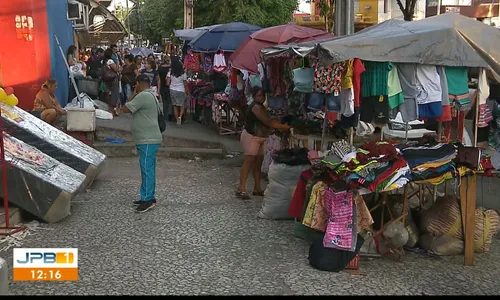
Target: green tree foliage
<point>160,17</point>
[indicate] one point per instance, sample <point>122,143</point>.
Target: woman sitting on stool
<point>46,106</point>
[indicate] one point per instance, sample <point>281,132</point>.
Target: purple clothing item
<point>339,231</point>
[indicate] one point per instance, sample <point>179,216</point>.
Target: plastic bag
<point>279,192</point>
<point>103,115</point>
<point>396,234</point>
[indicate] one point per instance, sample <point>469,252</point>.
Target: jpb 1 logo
<point>45,264</point>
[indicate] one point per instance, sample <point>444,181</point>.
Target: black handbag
<point>162,123</point>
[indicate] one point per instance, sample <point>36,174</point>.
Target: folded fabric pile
<point>376,166</point>
<point>431,162</point>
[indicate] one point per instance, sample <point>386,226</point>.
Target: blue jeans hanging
<point>147,161</point>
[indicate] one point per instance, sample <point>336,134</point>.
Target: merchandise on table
<point>53,142</point>
<point>44,186</point>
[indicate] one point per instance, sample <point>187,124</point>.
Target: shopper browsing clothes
<point>258,126</point>
<point>46,107</point>
<point>177,82</point>
<point>147,136</point>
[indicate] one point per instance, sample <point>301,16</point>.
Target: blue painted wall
<point>60,26</point>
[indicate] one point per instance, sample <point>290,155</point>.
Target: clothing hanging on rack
<point>219,62</point>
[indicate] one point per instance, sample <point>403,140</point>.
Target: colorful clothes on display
<point>296,208</point>
<point>394,90</point>
<point>483,92</point>
<point>347,75</point>
<point>327,79</point>
<point>358,70</point>
<point>458,87</point>
<point>315,216</point>
<point>374,79</point>
<point>429,92</point>
<point>192,62</point>
<point>207,64</point>
<point>340,227</point>
<point>219,62</point>
<point>364,217</point>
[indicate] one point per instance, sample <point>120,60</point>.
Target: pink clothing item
<point>339,231</point>
<point>252,145</point>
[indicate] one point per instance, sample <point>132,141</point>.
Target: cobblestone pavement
<point>200,239</point>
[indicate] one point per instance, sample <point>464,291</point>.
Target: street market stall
<point>208,71</point>
<point>396,67</point>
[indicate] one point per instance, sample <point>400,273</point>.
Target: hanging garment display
<point>428,92</point>
<point>394,90</point>
<point>219,62</point>
<point>207,64</point>
<point>483,92</point>
<point>445,102</point>
<point>358,69</point>
<point>458,87</point>
<point>407,74</point>
<point>192,62</point>
<point>303,80</point>
<point>327,79</point>
<point>315,216</point>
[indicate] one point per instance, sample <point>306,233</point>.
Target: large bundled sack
<point>444,218</point>
<point>279,192</point>
<point>441,244</point>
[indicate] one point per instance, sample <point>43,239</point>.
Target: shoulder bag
<point>162,123</point>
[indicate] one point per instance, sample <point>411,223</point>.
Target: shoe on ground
<point>137,202</point>
<point>145,206</point>
<point>179,121</point>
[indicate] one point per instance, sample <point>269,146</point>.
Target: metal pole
<point>338,18</point>
<point>69,71</point>
<point>349,17</point>
<point>438,8</point>
<point>128,24</point>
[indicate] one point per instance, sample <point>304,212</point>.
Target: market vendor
<point>258,126</point>
<point>46,107</point>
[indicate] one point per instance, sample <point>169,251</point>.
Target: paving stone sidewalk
<point>200,239</point>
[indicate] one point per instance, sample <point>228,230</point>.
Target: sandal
<point>259,194</point>
<point>242,195</point>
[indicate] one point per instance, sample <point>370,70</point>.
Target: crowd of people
<point>117,72</point>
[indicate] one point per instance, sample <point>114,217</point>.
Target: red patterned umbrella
<point>247,56</point>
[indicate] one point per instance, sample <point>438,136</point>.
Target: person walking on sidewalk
<point>144,107</point>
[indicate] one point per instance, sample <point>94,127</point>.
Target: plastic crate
<point>354,264</point>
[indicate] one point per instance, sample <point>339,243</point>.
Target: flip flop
<point>242,195</point>
<point>259,194</point>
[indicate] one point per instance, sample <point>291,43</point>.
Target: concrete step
<point>14,213</point>
<point>104,132</point>
<point>128,149</point>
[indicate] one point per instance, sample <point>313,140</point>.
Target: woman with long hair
<point>72,55</point>
<point>258,126</point>
<point>177,82</point>
<point>163,70</point>
<point>111,88</point>
<point>129,73</point>
<point>46,107</point>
